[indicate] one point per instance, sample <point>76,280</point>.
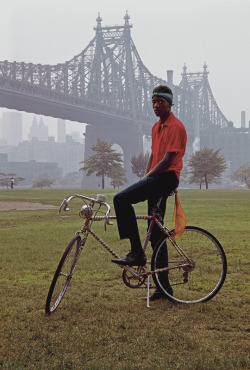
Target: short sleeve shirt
<point>169,136</point>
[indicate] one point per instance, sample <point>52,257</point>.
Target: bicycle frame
<point>153,221</point>
<point>87,213</point>
<point>208,258</point>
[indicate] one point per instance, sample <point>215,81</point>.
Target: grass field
<point>101,323</point>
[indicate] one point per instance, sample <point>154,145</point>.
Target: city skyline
<point>40,152</point>
<point>50,122</point>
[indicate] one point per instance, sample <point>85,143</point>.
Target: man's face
<point>160,106</point>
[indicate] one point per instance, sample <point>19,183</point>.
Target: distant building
<point>67,155</point>
<point>234,144</point>
<point>33,129</point>
<point>38,131</point>
<point>1,128</point>
<point>76,136</point>
<point>31,170</point>
<point>3,157</point>
<point>70,154</point>
<point>243,119</point>
<point>61,130</point>
<point>12,128</point>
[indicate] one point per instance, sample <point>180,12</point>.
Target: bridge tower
<point>113,81</point>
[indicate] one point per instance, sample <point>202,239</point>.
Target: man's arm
<point>161,167</point>
<point>148,164</point>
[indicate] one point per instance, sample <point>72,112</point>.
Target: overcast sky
<point>166,33</point>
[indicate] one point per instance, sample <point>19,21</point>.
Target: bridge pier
<point>126,136</point>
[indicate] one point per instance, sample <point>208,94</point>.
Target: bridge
<point>108,87</point>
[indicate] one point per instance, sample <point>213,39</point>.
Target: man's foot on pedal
<point>158,294</point>
<point>132,259</point>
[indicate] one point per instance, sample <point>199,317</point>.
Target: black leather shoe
<point>132,259</point>
<point>158,294</point>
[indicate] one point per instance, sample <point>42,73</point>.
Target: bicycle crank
<point>132,276</point>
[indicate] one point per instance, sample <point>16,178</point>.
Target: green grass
<point>101,323</point>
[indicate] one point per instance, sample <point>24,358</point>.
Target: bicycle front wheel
<point>195,277</point>
<point>63,274</point>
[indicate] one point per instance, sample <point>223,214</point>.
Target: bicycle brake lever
<point>64,203</point>
<point>66,208</point>
<point>107,222</point>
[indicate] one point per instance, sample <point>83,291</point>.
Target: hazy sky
<point>166,33</point>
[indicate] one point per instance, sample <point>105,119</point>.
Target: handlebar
<point>100,199</point>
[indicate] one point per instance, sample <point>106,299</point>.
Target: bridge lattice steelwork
<point>109,77</point>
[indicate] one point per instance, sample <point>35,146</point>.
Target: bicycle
<point>195,263</point>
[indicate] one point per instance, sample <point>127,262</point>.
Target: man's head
<point>162,100</point>
<point>165,92</point>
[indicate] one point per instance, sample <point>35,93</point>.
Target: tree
<point>71,179</point>
<point>105,162</point>
<point>5,179</point>
<point>43,183</point>
<point>184,177</point>
<point>207,166</point>
<point>243,174</point>
<point>139,164</point>
<point>118,179</point>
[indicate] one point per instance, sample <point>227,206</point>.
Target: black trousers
<point>151,189</point>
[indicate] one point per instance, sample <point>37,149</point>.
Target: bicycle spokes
<point>198,277</point>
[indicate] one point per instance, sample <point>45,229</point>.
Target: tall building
<point>33,129</point>
<point>77,136</point>
<point>12,127</point>
<point>243,119</point>
<point>61,130</point>
<point>1,128</point>
<point>39,131</point>
<point>43,131</point>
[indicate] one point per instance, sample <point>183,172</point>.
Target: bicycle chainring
<point>132,277</point>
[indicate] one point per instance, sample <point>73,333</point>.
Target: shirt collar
<point>167,122</point>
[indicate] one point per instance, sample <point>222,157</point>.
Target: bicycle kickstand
<point>148,293</point>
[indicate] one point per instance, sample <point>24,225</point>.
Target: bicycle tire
<point>190,284</point>
<point>63,274</point>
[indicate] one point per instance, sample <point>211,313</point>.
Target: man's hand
<point>162,166</point>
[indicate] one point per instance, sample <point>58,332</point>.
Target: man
<point>161,176</point>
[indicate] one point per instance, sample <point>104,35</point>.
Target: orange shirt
<point>169,136</point>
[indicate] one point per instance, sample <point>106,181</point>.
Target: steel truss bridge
<point>108,86</point>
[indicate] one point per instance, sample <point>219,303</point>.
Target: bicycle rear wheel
<point>63,274</point>
<point>199,276</point>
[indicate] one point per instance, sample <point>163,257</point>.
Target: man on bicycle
<point>161,177</point>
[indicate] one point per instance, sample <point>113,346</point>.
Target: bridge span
<point>108,87</point>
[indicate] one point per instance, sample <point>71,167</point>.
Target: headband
<point>165,96</point>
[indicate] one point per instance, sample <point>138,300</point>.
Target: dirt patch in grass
<point>23,206</point>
